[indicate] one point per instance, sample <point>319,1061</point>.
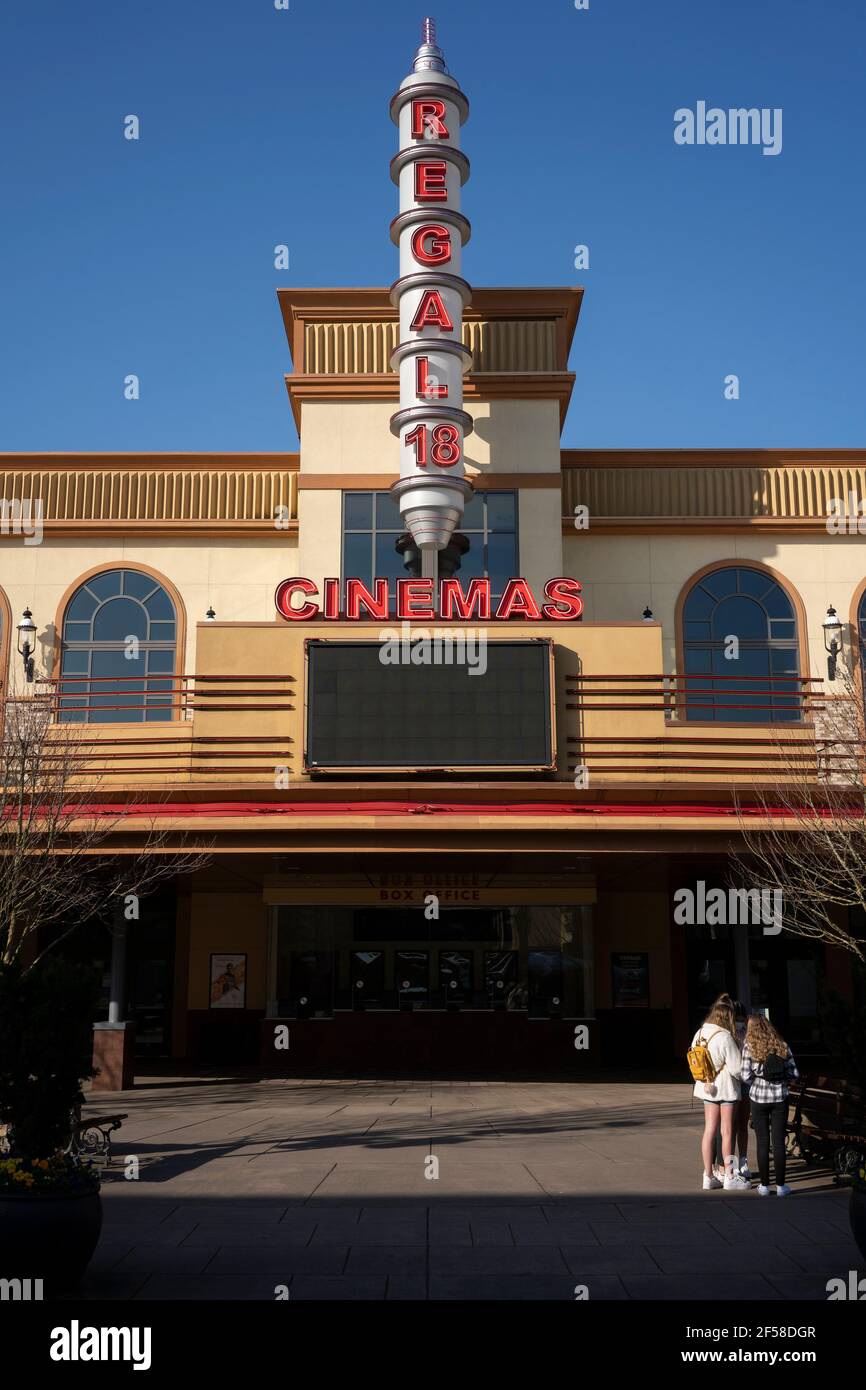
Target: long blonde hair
<point>721,1015</point>
<point>762,1038</point>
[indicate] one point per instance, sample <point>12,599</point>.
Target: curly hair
<point>763,1039</point>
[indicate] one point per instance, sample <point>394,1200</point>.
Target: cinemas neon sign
<point>299,601</point>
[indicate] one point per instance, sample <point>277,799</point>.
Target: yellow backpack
<point>701,1064</point>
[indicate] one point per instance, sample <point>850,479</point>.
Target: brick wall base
<point>114,1056</point>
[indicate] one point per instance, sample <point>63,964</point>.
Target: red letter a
<point>431,313</point>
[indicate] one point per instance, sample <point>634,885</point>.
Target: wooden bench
<point>91,1134</point>
<point>827,1112</point>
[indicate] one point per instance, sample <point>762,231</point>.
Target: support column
<point>430,570</point>
<point>114,1041</point>
<point>742,964</point>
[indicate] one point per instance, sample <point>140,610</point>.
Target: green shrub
<point>45,1052</point>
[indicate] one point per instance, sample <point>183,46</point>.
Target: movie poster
<point>228,981</point>
<point>630,980</point>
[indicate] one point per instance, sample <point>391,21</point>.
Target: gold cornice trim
<point>15,461</point>
<point>770,496</point>
<point>365,482</point>
<point>557,304</point>
<point>718,525</point>
<point>708,458</point>
<point>180,500</point>
<point>479,386</point>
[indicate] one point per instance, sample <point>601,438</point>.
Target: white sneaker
<point>745,1170</point>
<point>783,1190</point>
<point>719,1172</point>
<point>734,1183</point>
<point>762,1190</point>
<point>710,1182</point>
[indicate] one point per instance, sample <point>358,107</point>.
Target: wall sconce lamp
<point>27,643</point>
<point>832,641</point>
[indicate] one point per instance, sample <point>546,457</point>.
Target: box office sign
<point>410,889</point>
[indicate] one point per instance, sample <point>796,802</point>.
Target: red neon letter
<point>564,592</point>
<point>423,385</point>
<point>358,596</point>
<point>283,600</point>
<point>431,185</point>
<point>418,437</point>
<point>331,608</point>
<point>517,601</point>
<point>451,596</point>
<point>446,446</point>
<point>411,592</point>
<point>428,115</point>
<point>431,313</point>
<point>431,245</point>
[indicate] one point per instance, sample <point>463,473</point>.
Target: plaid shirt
<point>761,1091</point>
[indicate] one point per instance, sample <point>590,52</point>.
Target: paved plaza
<point>321,1186</point>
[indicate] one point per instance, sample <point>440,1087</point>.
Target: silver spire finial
<point>429,57</point>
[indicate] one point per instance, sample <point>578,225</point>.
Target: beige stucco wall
<point>237,577</point>
<point>355,437</point>
<point>621,574</point>
<point>320,527</point>
<point>223,922</point>
<point>633,921</point>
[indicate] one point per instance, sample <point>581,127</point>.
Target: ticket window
<point>311,986</point>
<point>501,981</point>
<point>455,979</point>
<point>545,984</point>
<point>367,971</point>
<point>412,979</point>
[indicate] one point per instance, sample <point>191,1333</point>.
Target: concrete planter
<point>48,1236</point>
<point>858,1219</point>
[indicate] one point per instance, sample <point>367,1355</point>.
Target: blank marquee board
<point>493,710</point>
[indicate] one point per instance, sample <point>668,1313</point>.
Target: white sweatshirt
<point>727,1060</point>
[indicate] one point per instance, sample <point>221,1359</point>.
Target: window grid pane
<point>742,680</point>
<point>490,525</point>
<point>102,615</point>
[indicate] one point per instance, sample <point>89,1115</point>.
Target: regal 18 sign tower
<point>431,424</point>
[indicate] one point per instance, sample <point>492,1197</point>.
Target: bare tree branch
<point>57,864</point>
<point>806,837</point>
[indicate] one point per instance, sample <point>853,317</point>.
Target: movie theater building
<point>449,704</point>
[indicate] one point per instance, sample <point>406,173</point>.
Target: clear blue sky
<point>261,126</point>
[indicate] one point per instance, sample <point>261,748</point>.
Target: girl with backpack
<point>741,1118</point>
<point>768,1066</point>
<point>714,1060</point>
<point>740,1141</point>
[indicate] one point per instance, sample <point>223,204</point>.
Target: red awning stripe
<point>267,809</point>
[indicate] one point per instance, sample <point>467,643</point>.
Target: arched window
<point>740,648</point>
<point>118,650</point>
<point>861,632</point>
